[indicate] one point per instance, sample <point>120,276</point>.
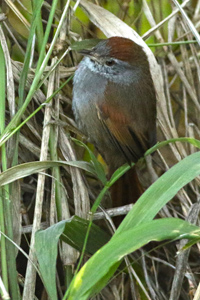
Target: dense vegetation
<point>51,177</point>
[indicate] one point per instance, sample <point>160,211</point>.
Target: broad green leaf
<point>101,266</point>
<point>161,191</point>
<point>149,204</point>
<point>73,232</point>
<point>46,248</point>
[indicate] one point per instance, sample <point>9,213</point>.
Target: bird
<point>114,100</point>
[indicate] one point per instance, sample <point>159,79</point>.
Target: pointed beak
<point>85,52</point>
<point>90,53</point>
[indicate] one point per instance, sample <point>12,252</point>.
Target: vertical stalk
<point>5,203</point>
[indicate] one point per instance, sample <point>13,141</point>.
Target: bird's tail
<point>125,191</point>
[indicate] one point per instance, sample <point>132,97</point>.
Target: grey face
<point>113,69</point>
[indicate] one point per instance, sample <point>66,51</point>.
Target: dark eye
<point>110,62</point>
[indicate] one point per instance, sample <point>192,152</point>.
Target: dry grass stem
<point>42,200</point>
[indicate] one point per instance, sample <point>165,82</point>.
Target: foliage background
<point>28,78</point>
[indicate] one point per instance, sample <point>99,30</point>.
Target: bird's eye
<point>110,62</point>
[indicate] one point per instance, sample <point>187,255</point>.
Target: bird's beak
<point>85,52</point>
<point>90,53</point>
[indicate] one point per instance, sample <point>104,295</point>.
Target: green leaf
<point>97,165</point>
<point>157,195</point>
<point>10,129</point>
<point>189,244</point>
<point>2,89</point>
<point>46,248</point>
<point>162,191</point>
<point>26,65</point>
<point>27,169</point>
<point>73,232</point>
<point>101,266</point>
<point>85,44</point>
<point>123,169</point>
<point>119,173</point>
<point>159,145</point>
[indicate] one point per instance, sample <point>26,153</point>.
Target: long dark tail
<point>126,190</point>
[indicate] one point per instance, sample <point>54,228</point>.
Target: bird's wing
<point>121,132</point>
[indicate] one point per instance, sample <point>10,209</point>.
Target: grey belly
<point>85,97</point>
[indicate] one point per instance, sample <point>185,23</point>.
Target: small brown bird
<point>114,100</point>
